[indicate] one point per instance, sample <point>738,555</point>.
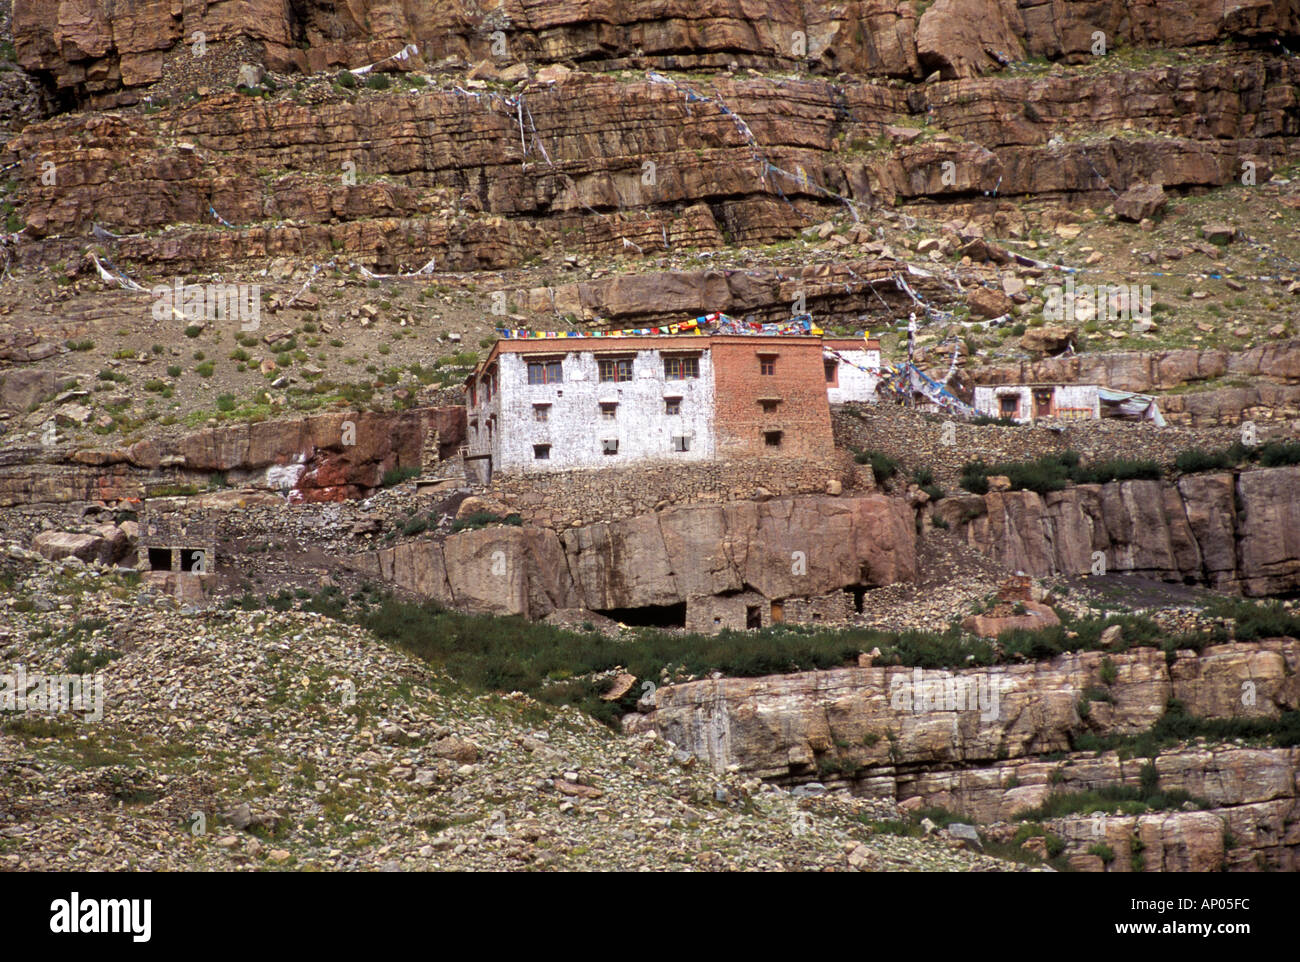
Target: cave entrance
<point>859,597</point>
<point>650,616</point>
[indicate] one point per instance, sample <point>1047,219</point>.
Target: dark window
<point>1008,405</point>
<point>194,559</point>
<point>616,369</point>
<point>772,439</point>
<point>541,412</point>
<point>541,452</point>
<point>160,559</point>
<point>681,443</point>
<point>672,405</point>
<point>767,365</point>
<point>770,405</point>
<point>753,616</point>
<point>609,447</point>
<point>608,410</point>
<point>681,368</point>
<point>831,368</point>
<point>545,372</point>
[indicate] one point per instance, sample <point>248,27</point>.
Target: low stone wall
<point>572,498</point>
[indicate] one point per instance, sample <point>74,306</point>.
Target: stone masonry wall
<point>566,498</point>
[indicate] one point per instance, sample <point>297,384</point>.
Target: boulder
<point>1219,233</point>
<point>21,389</point>
<point>56,545</point>
<point>1048,339</point>
<point>966,38</point>
<point>1036,615</point>
<point>1140,201</point>
<point>987,302</point>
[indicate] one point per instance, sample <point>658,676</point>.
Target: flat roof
<point>627,345</point>
<point>852,343</point>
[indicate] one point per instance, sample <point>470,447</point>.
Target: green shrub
<point>346,78</point>
<point>1053,472</point>
<point>882,465</point>
<point>1102,851</point>
<point>1276,454</point>
<point>193,330</point>
<point>398,475</point>
<point>415,525</point>
<point>1198,460</point>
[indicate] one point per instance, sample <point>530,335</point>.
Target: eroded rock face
<point>783,548</point>
<point>147,171</point>
<point>784,725</point>
<point>1237,532</point>
<point>942,738</point>
<point>327,457</point>
<point>99,52</point>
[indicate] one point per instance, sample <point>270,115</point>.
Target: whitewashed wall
<point>575,427</point>
<point>1064,396</point>
<point>854,384</point>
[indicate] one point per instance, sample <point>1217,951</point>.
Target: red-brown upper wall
<point>798,384</point>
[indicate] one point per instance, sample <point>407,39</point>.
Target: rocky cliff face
<point>783,726</point>
<point>975,746</point>
<point>322,458</point>
<point>787,547</point>
<point>95,51</point>
<point>1237,532</point>
<point>449,175</point>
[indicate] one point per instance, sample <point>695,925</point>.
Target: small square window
<point>681,443</point>
<point>767,365</point>
<point>772,439</point>
<point>609,447</point>
<point>608,410</point>
<point>541,452</point>
<point>672,405</point>
<point>770,405</point>
<point>541,412</point>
